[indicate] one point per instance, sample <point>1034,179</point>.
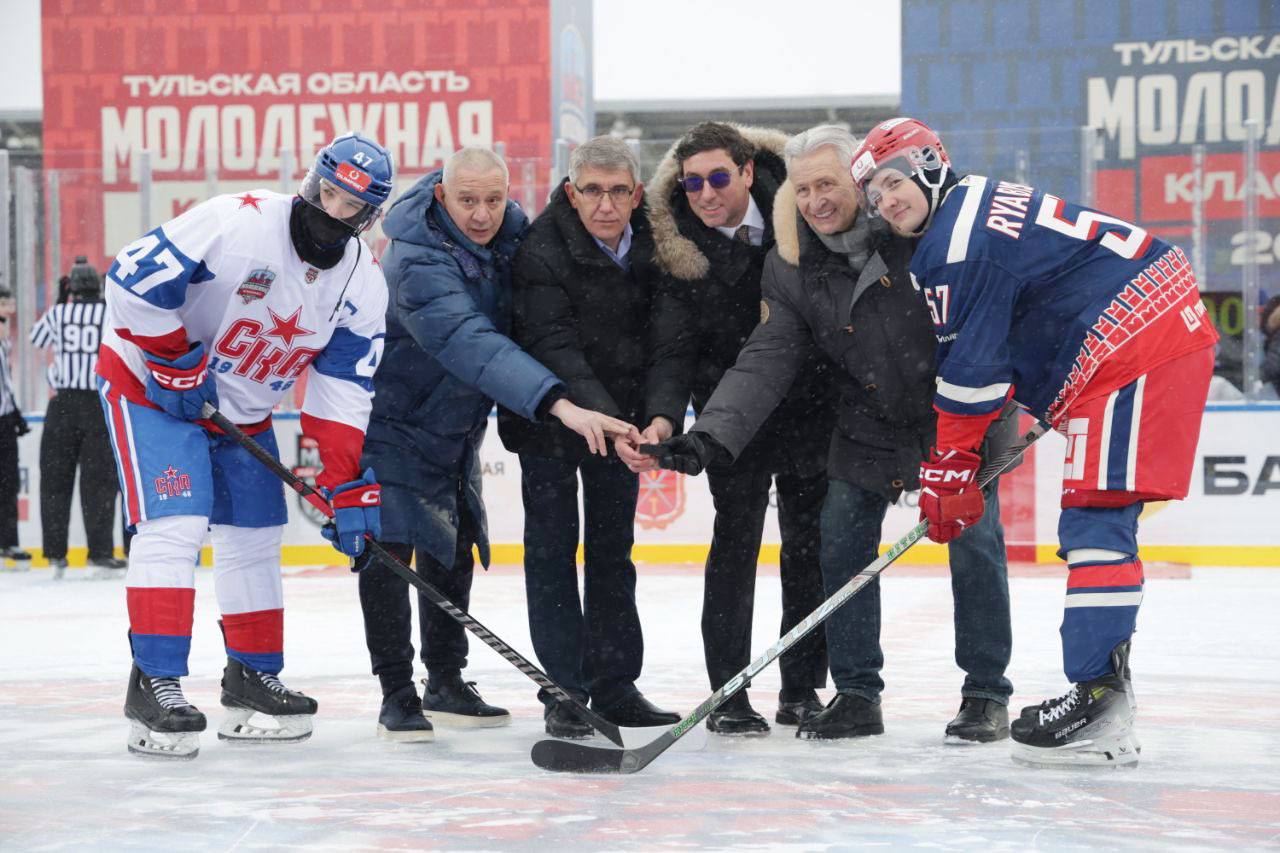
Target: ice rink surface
<point>1206,665</point>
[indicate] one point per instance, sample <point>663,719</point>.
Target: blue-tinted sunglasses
<point>719,179</point>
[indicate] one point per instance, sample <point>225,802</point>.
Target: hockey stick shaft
<point>631,760</point>
<point>392,562</point>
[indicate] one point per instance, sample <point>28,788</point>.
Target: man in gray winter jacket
<point>834,282</point>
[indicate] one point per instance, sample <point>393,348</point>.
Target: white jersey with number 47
<point>226,274</point>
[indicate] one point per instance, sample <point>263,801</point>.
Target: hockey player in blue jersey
<point>1089,323</point>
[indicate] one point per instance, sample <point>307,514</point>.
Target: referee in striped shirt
<point>75,431</point>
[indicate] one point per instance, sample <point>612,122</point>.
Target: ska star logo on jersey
<point>250,200</point>
<point>255,286</point>
<point>286,329</point>
<point>173,484</point>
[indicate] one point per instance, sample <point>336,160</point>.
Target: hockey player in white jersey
<point>232,303</point>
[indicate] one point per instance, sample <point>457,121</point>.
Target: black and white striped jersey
<point>74,330</point>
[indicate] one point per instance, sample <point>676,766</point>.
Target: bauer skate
<point>165,724</point>
<point>246,692</point>
<point>1091,724</point>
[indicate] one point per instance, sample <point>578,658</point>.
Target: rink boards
<point>1228,519</point>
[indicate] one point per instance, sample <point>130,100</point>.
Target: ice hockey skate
<point>14,559</point>
<point>1092,724</point>
<point>165,724</point>
<point>246,692</point>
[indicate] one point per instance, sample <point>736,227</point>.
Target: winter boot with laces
<point>1091,724</point>
<point>401,718</point>
<point>450,701</point>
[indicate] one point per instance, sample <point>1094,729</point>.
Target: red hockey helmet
<point>907,146</point>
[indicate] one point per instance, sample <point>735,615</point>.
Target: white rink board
<point>1240,446</point>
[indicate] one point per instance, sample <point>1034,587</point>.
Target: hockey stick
<point>293,481</point>
<point>570,757</point>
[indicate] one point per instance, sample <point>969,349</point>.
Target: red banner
<point>216,91</point>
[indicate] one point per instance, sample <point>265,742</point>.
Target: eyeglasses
<point>594,193</point>
<point>719,179</point>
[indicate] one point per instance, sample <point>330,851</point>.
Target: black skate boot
<point>246,691</point>
<point>735,716</point>
<point>562,721</point>
<point>449,700</point>
<point>401,718</point>
<point>796,706</point>
<point>1091,724</point>
<point>979,721</point>
<point>846,716</point>
<point>165,724</point>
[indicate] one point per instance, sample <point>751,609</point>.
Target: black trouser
<point>740,494</point>
<point>75,434</point>
<point>388,619</point>
<point>8,482</point>
<point>594,646</point>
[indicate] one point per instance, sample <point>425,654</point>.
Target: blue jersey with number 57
<point>1039,298</point>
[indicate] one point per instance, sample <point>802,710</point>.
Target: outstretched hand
<point>593,426</point>
<point>627,447</point>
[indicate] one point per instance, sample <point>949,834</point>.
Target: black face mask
<point>319,239</point>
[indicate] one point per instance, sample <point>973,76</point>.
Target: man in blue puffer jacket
<point>448,357</point>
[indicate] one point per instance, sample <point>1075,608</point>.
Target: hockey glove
<point>950,499</point>
<point>182,386</point>
<point>689,453</point>
<point>356,513</point>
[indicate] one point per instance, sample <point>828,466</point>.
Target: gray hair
<point>808,141</point>
<point>607,153</point>
<point>475,158</point>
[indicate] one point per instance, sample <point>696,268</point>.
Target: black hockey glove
<point>689,453</point>
<point>20,425</point>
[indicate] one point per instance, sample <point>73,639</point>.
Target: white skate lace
<point>1061,706</point>
<point>168,693</point>
<point>272,683</point>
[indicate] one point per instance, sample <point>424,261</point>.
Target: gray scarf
<point>854,244</point>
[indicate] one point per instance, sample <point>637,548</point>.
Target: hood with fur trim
<point>677,254</point>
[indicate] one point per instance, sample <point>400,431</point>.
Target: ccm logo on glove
<point>180,381</point>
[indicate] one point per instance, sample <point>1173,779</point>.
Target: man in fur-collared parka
<point>711,200</point>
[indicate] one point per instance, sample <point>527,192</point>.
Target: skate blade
<point>1115,751</point>
<point>237,728</point>
<point>405,737</point>
<point>180,746</point>
<point>466,721</point>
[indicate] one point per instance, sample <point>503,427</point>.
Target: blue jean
<point>851,521</point>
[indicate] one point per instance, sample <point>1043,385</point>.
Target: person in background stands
<point>12,427</point>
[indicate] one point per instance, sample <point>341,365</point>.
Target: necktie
<point>743,234</point>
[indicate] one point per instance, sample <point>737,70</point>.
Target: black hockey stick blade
<point>466,620</point>
<point>569,757</point>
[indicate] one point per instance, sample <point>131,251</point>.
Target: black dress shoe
<point>847,716</point>
<point>737,717</point>
<point>636,711</point>
<point>562,720</point>
<point>797,706</point>
<point>979,721</point>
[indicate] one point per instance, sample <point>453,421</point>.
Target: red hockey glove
<point>950,499</point>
